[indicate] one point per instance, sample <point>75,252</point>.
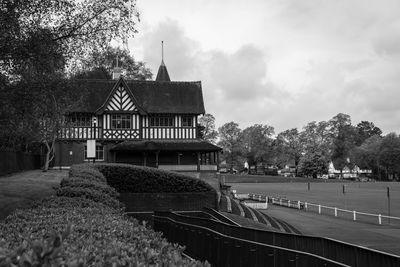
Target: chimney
<point>117,71</point>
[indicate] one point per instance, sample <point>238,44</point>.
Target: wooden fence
<point>12,161</point>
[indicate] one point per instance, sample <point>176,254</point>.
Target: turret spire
<point>162,75</point>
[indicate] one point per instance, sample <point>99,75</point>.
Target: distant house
<point>148,123</point>
<point>348,173</point>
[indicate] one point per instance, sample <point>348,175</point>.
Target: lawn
<point>21,189</point>
<point>370,197</point>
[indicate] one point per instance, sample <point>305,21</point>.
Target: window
<point>187,121</point>
<point>165,121</point>
<point>120,121</point>
<point>99,152</point>
<point>80,120</point>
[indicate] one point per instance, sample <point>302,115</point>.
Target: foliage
<point>257,141</point>
<point>136,179</point>
<point>87,184</point>
<point>389,154</point>
<point>206,128</point>
<point>67,29</point>
<point>365,130</point>
<point>76,231</point>
<point>231,141</point>
<point>313,164</point>
<point>99,65</point>
<point>289,146</point>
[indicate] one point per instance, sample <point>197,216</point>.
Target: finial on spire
<point>162,52</point>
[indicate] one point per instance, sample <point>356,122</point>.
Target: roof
<point>162,74</point>
<point>151,96</point>
<point>166,145</point>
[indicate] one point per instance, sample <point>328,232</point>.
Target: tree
<point>206,128</point>
<point>389,155</point>
<point>343,135</point>
<point>289,146</point>
<point>75,28</point>
<point>313,163</point>
<point>257,141</point>
<point>231,141</point>
<point>365,130</point>
<point>316,136</point>
<point>100,65</point>
<point>366,156</point>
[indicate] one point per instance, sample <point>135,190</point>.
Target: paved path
<point>21,189</point>
<point>380,237</point>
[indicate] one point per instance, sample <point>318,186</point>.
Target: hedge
<point>136,179</point>
<point>83,226</point>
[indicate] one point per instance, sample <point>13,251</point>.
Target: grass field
<point>20,190</point>
<point>370,197</point>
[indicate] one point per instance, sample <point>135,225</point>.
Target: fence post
<point>354,215</point>
<point>266,203</point>
<point>380,219</point>
<point>305,206</point>
<point>298,204</point>
<point>335,212</point>
<point>319,209</point>
<point>280,201</point>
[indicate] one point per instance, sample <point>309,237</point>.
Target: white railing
<point>257,205</point>
<point>327,210</point>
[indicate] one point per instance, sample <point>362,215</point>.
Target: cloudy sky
<point>280,62</point>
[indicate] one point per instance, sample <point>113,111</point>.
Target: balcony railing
<point>84,133</point>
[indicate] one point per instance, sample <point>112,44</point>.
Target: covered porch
<point>184,156</point>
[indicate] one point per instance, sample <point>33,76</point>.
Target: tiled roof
<point>152,96</point>
<point>166,145</point>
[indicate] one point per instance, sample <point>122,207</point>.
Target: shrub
<point>136,179</point>
<point>78,236</point>
<point>83,183</point>
<point>87,171</point>
<point>89,193</point>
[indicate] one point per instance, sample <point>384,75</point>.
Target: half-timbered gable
<point>140,122</point>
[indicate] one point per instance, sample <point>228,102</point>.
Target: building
<point>148,123</point>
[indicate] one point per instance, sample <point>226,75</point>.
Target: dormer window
<point>187,121</point>
<point>121,121</point>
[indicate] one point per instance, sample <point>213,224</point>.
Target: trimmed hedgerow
<point>92,236</point>
<point>83,183</point>
<point>87,171</point>
<point>89,193</point>
<point>135,179</point>
<point>83,226</point>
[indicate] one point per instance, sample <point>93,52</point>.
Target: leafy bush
<point>136,179</point>
<point>83,226</point>
<point>86,171</point>
<point>79,236</point>
<point>83,183</point>
<point>89,193</point>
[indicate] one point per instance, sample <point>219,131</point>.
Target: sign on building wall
<point>91,149</point>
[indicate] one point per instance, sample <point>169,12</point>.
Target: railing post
<point>335,212</point>
<point>280,201</point>
<point>305,206</point>
<point>298,204</point>
<point>319,209</point>
<point>266,203</point>
<point>380,219</point>
<point>354,215</point>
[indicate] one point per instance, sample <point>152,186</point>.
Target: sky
<point>282,63</point>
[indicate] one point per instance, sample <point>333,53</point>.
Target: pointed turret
<point>162,75</point>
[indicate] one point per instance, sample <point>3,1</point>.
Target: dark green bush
<point>83,183</point>
<point>83,226</point>
<point>77,236</point>
<point>89,193</point>
<point>86,171</point>
<point>135,179</point>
